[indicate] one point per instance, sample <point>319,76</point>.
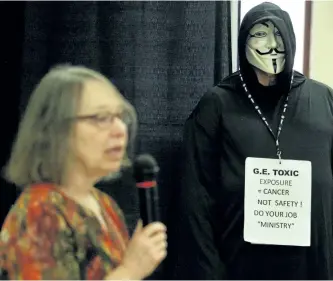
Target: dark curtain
<point>162,55</point>
<point>11,48</point>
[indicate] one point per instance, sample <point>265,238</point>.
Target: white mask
<point>265,48</point>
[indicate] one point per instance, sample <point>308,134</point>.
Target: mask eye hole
<point>260,34</point>
<point>277,33</point>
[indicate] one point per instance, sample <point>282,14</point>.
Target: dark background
<point>162,55</point>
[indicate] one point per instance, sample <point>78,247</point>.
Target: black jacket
<point>220,133</point>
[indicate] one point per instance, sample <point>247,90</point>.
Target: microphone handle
<point>148,200</point>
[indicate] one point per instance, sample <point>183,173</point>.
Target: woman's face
<point>100,135</point>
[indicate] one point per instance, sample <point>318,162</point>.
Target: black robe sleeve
<point>197,253</point>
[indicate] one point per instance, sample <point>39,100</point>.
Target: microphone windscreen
<point>145,168</point>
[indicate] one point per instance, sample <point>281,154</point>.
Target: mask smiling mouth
<point>270,52</point>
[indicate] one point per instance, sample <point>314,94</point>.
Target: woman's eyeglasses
<point>104,120</point>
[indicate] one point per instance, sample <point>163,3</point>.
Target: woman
<point>73,133</point>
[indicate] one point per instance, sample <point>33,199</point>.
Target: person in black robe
<point>240,118</point>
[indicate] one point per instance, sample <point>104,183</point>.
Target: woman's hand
<point>146,250</point>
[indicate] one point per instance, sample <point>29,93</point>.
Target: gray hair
<point>42,147</point>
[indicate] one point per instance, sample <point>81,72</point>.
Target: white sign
<point>277,204</point>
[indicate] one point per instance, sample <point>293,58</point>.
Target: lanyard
<point>263,118</point>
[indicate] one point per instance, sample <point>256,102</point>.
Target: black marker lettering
<point>289,173</point>
<point>260,172</point>
<point>276,182</point>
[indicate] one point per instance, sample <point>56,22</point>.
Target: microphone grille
<point>145,164</point>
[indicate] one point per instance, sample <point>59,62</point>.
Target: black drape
<point>12,27</point>
<point>162,55</point>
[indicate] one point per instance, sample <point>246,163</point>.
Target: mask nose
<point>272,42</point>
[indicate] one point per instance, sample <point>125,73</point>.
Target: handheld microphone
<point>145,170</point>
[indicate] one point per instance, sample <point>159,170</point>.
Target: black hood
<point>261,13</point>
